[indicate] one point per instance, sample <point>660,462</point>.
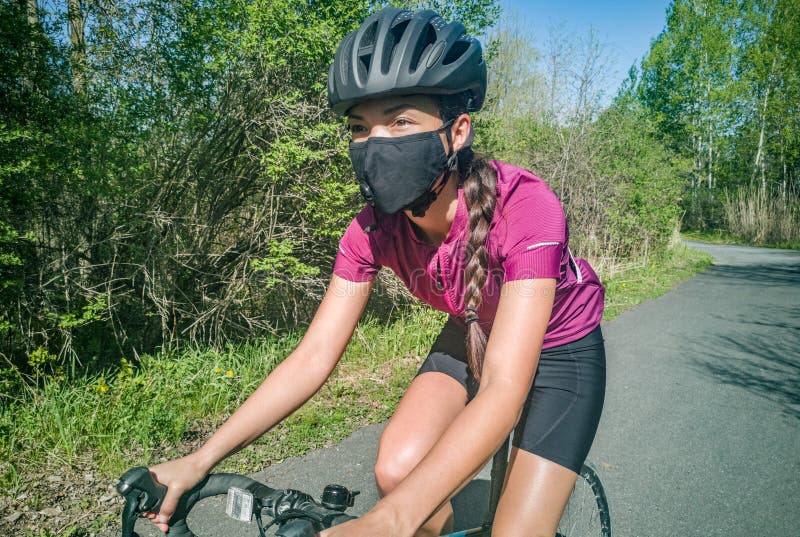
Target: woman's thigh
<point>560,417</point>
<point>428,407</point>
<point>553,436</point>
<point>534,495</point>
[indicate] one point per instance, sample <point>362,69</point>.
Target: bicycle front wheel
<point>586,513</point>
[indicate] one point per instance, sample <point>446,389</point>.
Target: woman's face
<point>393,116</point>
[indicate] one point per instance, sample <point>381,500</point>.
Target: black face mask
<point>398,173</point>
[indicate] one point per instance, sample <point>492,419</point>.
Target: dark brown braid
<point>478,180</point>
<point>479,193</point>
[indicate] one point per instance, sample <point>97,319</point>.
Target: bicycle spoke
<point>586,513</point>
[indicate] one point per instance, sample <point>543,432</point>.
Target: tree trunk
<point>758,163</point>
<point>695,175</point>
<point>710,133</point>
<point>783,176</point>
<point>77,38</point>
<point>710,158</point>
<point>32,11</point>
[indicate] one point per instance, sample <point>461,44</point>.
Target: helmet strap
<point>452,155</point>
<point>421,204</point>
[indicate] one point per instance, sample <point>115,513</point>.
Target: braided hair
<point>478,180</point>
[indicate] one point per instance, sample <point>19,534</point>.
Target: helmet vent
<point>398,29</point>
<point>369,35</point>
<point>347,49</point>
<point>363,65</point>
<point>390,44</point>
<point>456,51</point>
<point>366,48</point>
<point>422,46</point>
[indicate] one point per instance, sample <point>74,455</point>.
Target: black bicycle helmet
<point>397,52</point>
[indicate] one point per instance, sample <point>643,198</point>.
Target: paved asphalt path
<point>701,428</point>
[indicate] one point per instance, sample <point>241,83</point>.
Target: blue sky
<point>625,26</point>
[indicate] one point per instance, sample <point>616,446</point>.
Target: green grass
<point>721,236</point>
<point>138,415</point>
<point>166,406</point>
<point>653,278</point>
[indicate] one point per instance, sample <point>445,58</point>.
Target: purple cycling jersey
<point>528,238</point>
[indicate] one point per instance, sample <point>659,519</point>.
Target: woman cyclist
<point>484,241</point>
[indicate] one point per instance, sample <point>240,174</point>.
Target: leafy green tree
<point>688,80</point>
<point>170,170</point>
<point>721,83</point>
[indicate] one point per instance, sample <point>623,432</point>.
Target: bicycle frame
<point>498,475</point>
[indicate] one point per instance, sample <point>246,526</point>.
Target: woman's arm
<point>295,380</point>
<point>511,357</point>
<point>289,385</point>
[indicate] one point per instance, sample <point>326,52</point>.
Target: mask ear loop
<point>452,158</point>
<point>419,207</point>
<point>452,155</point>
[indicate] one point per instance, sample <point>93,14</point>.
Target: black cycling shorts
<point>560,417</point>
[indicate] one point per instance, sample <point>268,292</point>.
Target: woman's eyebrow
<point>395,108</point>
<point>386,112</point>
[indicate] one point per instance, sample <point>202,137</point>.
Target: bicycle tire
<point>586,513</point>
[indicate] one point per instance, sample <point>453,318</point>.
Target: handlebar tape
<point>212,485</point>
<point>143,494</point>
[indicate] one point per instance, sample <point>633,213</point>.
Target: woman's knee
<point>395,461</point>
<point>428,407</point>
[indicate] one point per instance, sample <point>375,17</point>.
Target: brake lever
<point>141,493</point>
<point>298,527</point>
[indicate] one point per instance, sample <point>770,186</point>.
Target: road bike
<point>292,513</point>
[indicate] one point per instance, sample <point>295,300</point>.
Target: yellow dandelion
<point>218,370</point>
<point>103,388</point>
<point>229,372</point>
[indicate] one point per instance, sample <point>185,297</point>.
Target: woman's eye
<point>356,129</point>
<point>401,122</point>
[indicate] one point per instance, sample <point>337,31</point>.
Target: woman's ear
<point>460,130</point>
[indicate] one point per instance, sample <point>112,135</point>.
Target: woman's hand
<point>179,475</point>
<point>376,522</point>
